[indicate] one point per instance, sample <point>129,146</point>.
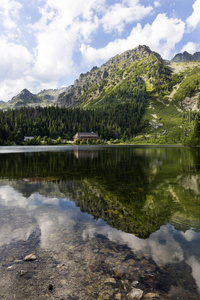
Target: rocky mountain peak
<point>89,86</point>
<point>130,56</point>
<point>185,56</point>
<point>25,93</point>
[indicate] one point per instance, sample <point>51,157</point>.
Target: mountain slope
<point>26,99</point>
<point>165,90</point>
<point>117,81</point>
<point>135,74</point>
<point>135,93</point>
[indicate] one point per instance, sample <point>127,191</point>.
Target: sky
<point>46,44</point>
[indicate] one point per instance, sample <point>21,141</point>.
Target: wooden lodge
<point>28,138</point>
<point>84,136</point>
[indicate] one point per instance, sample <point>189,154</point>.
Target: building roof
<point>82,135</point>
<point>28,138</point>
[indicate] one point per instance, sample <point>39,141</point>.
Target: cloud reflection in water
<point>167,245</point>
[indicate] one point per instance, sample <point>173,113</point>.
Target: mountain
<point>116,81</point>
<point>26,99</point>
<point>135,74</point>
<point>185,56</point>
<point>139,71</point>
<point>50,96</point>
<point>136,93</point>
<point>160,93</point>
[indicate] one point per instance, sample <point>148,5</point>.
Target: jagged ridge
<point>185,56</point>
<point>132,67</point>
<point>27,99</point>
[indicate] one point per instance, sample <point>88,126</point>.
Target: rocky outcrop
<point>185,56</point>
<point>90,85</point>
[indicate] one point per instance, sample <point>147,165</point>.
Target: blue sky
<point>48,43</point>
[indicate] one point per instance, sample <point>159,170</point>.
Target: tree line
<point>120,122</point>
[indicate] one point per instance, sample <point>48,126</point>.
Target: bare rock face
<point>196,56</point>
<point>191,103</point>
<point>185,56</point>
<point>105,74</point>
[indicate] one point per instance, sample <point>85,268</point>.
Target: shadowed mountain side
<point>185,56</point>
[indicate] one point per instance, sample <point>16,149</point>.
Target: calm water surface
<point>101,221</point>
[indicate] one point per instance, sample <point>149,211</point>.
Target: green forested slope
<point>122,122</point>
<point>135,96</point>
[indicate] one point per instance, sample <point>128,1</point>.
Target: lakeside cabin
<point>28,138</point>
<point>84,136</point>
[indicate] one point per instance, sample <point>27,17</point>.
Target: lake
<point>101,222</point>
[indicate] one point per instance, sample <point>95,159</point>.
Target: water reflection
<point>56,218</point>
<point>135,190</point>
<point>79,154</point>
<point>61,205</point>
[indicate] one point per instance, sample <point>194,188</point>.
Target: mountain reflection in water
<point>145,200</point>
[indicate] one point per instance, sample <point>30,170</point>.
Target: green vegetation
<point>194,137</point>
<point>53,122</point>
<point>135,97</point>
<point>125,123</point>
<point>189,86</point>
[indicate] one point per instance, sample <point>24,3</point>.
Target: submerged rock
<point>119,272</point>
<point>118,296</point>
<point>17,261</point>
<point>60,267</point>
<point>135,294</point>
<point>151,296</point>
<point>22,273</point>
<point>135,283</point>
<point>30,257</point>
<point>10,268</point>
<point>110,280</point>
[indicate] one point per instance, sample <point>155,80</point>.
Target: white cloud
<point>161,36</point>
<point>14,60</point>
<point>54,55</point>
<point>190,47</point>
<point>11,87</point>
<point>169,252</point>
<point>15,68</point>
<point>194,20</point>
<point>66,36</point>
<point>9,13</point>
<point>62,25</point>
<point>190,235</point>
<point>120,14</point>
<point>157,3</point>
<point>12,198</point>
<point>195,265</point>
